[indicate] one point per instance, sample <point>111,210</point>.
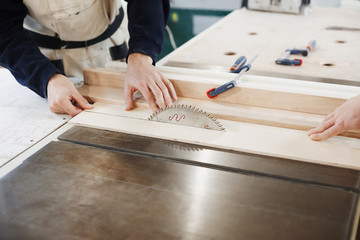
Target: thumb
<point>84,104</point>
<point>129,102</point>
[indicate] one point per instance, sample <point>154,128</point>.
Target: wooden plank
<point>253,103</point>
<point>239,113</point>
<point>272,141</point>
<point>298,96</point>
<point>261,100</point>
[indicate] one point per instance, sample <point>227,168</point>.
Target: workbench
<point>88,183</point>
<point>335,58</point>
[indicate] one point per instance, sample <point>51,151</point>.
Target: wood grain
<point>250,93</point>
<point>256,102</point>
<point>257,115</point>
<point>252,138</point>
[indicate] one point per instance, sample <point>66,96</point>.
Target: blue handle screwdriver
<point>238,67</point>
<point>297,62</point>
<point>311,45</point>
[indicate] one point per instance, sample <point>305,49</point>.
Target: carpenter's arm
<point>20,54</point>
<point>147,21</point>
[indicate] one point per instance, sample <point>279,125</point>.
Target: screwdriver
<point>311,45</point>
<point>285,61</point>
<point>297,62</point>
<point>214,92</point>
<point>238,66</point>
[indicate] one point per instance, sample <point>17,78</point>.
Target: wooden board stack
<point>262,115</point>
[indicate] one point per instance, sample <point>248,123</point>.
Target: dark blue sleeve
<point>147,21</point>
<point>19,53</point>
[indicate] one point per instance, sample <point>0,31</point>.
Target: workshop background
<point>190,17</point>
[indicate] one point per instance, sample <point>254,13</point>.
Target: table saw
<point>113,174</point>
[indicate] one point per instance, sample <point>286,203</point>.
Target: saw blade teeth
<point>197,114</point>
<point>151,116</point>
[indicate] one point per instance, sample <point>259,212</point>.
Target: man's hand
<point>63,97</point>
<point>143,76</point>
<point>346,117</point>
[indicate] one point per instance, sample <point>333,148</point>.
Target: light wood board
<point>261,100</point>
<point>245,32</point>
<point>263,137</point>
<point>258,91</point>
<point>107,99</point>
<point>265,140</point>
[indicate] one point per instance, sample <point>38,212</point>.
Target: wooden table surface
<point>25,118</point>
<point>245,32</point>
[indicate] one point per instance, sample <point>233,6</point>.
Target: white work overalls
<point>76,20</point>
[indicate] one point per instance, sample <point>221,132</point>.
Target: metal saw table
<point>96,184</point>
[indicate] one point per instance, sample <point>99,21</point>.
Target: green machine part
<point>181,24</point>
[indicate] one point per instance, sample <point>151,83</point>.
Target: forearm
<point>19,53</point>
<point>147,21</point>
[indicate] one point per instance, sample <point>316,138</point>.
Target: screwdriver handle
<point>238,65</point>
<point>298,51</point>
<point>289,62</point>
<point>311,45</point>
<point>223,88</point>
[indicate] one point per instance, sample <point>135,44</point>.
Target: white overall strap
<point>71,20</point>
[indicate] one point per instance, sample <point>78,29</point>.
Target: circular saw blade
<point>186,115</point>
